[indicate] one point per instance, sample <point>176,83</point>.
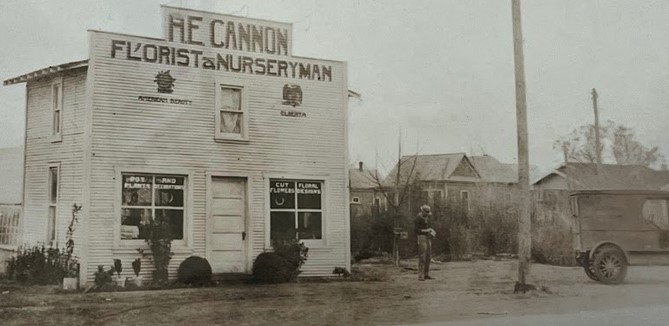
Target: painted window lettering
<point>152,198</point>
<point>296,209</point>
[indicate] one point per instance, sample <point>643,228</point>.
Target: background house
<point>499,181</point>
<point>454,179</point>
<point>366,199</point>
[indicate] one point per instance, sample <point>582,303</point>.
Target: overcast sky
<point>440,70</point>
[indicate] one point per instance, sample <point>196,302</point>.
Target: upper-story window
<point>231,113</point>
<point>57,110</point>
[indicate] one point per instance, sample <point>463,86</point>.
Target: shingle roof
<point>584,176</point>
<point>492,170</point>
<point>432,167</point>
<point>365,179</point>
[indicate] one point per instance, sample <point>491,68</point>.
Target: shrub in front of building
<point>270,267</point>
<point>40,265</point>
<point>160,241</point>
<point>552,245</point>
<point>103,279</point>
<point>194,270</point>
<point>283,264</point>
<point>371,236</point>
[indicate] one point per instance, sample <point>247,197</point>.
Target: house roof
<point>659,193</point>
<point>432,167</point>
<point>365,179</point>
<point>585,176</point>
<point>46,72</point>
<point>492,170</point>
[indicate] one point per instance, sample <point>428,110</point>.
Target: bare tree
<point>581,145</point>
<point>619,141</point>
<point>396,189</point>
<point>627,150</point>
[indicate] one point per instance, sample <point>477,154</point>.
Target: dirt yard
<point>461,290</point>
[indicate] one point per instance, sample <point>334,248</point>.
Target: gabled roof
<point>46,72</point>
<point>433,167</point>
<point>585,176</point>
<point>492,170</point>
<point>365,179</point>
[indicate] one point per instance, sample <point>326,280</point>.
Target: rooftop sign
<point>227,32</point>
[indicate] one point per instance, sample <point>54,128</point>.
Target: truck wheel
<point>609,265</point>
<point>590,271</point>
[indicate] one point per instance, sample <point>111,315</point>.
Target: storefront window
<point>296,209</point>
<point>152,198</point>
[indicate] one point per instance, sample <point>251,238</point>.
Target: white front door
<point>226,236</point>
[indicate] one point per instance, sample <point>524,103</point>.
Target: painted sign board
<point>232,33</point>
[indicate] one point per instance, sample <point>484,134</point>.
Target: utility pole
<point>524,236</point>
<point>598,148</point>
<point>396,218</point>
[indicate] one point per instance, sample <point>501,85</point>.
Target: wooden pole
<point>598,151</point>
<point>396,245</point>
<point>524,236</point>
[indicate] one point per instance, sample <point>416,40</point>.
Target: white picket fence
<point>9,225</point>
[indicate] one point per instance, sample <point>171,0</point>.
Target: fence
<point>9,225</point>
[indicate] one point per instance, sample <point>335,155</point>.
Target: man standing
<point>424,235</point>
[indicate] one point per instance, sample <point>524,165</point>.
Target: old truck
<point>616,228</point>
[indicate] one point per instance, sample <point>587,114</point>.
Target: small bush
<point>194,270</point>
<point>103,279</point>
<point>160,241</point>
<point>40,265</point>
<point>552,246</point>
<point>270,267</point>
<point>282,265</point>
<point>294,253</point>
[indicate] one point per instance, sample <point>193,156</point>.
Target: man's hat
<point>426,209</point>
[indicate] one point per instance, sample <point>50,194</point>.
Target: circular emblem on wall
<point>165,82</point>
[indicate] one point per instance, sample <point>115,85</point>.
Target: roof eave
<point>46,72</point>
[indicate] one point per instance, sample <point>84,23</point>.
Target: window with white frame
<point>231,112</point>
<point>52,193</point>
<point>149,199</point>
<point>296,209</point>
<point>57,109</point>
<point>355,200</point>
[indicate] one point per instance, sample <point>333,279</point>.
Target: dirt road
<point>461,291</point>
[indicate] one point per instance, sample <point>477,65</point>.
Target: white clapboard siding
<point>41,153</point>
<point>180,138</point>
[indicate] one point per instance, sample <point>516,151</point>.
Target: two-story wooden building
<point>217,129</point>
